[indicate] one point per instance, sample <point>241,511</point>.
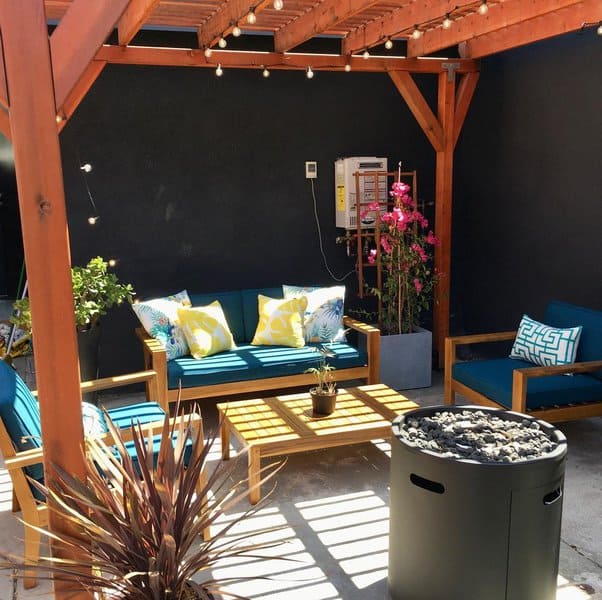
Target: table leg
<point>254,474</point>
<point>225,438</point>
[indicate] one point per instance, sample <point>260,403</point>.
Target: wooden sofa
<point>251,369</point>
<point>543,392</point>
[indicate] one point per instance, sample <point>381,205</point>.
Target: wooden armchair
<point>20,441</point>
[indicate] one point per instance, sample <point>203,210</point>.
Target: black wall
<point>199,181</point>
<point>528,186</point>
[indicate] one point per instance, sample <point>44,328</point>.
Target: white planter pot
<point>406,359</point>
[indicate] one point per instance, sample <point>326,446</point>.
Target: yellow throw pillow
<point>280,322</point>
<point>206,329</point>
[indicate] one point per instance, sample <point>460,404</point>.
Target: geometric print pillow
<point>206,329</point>
<point>544,345</point>
<point>324,312</point>
<point>159,317</point>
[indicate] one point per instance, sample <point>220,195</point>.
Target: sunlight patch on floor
<point>6,491</point>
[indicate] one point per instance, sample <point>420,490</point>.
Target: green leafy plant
<point>138,531</point>
<point>323,373</point>
<point>95,291</point>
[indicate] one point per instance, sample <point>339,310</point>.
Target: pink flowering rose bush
<point>405,255</point>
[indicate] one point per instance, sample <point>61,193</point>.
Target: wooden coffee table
<point>285,424</point>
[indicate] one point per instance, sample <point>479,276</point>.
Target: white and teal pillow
<point>543,345</point>
<point>93,420</point>
<point>324,312</point>
<point>159,317</point>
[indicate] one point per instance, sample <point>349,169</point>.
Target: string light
<point>416,34</point>
<point>112,262</point>
<point>236,31</point>
<point>87,168</point>
<point>278,4</point>
<point>309,73</point>
<point>222,42</point>
<point>208,52</point>
<point>447,22</point>
<point>483,9</point>
<point>251,17</point>
<point>389,44</point>
<point>92,220</point>
<point>265,73</point>
<point>219,71</point>
<point>347,67</point>
<point>366,54</point>
<point>599,30</point>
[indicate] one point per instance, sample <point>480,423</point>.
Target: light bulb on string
<point>309,73</point>
<point>219,71</point>
<point>208,52</point>
<point>236,31</point>
<point>222,43</point>
<point>483,9</point>
<point>599,30</point>
<point>87,168</point>
<point>366,54</point>
<point>112,262</point>
<point>447,22</point>
<point>278,4</point>
<point>265,72</point>
<point>92,220</point>
<point>389,44</point>
<point>416,34</point>
<point>347,67</point>
<point>251,17</point>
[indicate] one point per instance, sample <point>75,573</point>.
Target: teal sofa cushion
<point>562,314</point>
<point>493,378</point>
<point>231,303</point>
<point>257,362</point>
<point>251,310</point>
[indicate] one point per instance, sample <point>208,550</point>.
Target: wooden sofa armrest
<point>23,459</point>
<point>155,358</point>
<point>520,378</point>
<point>372,344</point>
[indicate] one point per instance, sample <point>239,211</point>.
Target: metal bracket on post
<point>451,68</point>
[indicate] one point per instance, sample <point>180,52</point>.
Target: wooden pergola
<point>44,78</point>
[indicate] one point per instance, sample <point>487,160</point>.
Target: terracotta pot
<point>323,403</point>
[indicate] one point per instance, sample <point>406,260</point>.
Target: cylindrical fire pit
<point>474,524</point>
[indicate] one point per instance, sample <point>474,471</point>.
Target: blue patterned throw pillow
<point>159,317</point>
<point>324,313</point>
<point>544,345</point>
<point>93,420</point>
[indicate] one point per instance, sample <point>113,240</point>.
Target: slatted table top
<point>285,424</point>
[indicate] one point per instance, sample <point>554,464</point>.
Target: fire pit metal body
<point>466,530</point>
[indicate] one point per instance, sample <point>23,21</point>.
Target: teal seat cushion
<point>231,303</point>
<point>493,378</point>
<point>250,308</point>
<point>562,314</point>
<point>257,362</point>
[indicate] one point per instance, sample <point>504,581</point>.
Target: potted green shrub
<point>324,394</point>
<point>95,291</point>
<point>138,531</point>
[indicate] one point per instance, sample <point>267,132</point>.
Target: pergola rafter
<point>133,18</point>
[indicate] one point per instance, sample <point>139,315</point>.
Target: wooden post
<point>46,241</point>
<point>443,209</point>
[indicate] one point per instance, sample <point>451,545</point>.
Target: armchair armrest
<point>372,344</point>
<point>155,358</point>
<point>520,378</point>
<point>24,459</point>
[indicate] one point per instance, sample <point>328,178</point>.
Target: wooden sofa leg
<point>449,396</point>
<point>32,553</point>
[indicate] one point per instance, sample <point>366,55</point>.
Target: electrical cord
<point>319,228</point>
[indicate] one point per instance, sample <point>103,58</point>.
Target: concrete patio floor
<point>333,506</point>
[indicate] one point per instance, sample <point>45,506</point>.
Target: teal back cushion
<point>250,307</point>
<point>562,314</point>
<point>231,303</point>
<point>20,414</point>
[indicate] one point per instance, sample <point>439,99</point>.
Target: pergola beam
<point>499,16</point>
<point>188,57</point>
<point>564,20</point>
<point>466,90</point>
<point>3,90</point>
<point>133,18</point>
<point>5,125</point>
<point>46,243</point>
<point>324,16</point>
<point>77,38</point>
<point>402,19</point>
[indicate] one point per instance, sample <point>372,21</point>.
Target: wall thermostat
<point>311,169</point>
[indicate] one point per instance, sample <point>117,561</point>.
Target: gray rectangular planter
<point>406,359</point>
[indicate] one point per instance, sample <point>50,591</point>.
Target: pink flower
<point>417,285</point>
<point>418,249</point>
<point>399,189</point>
<point>431,239</point>
<point>398,214</point>
<point>371,207</point>
<point>384,242</point>
<point>372,256</point>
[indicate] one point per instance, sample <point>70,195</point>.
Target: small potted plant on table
<point>323,395</point>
